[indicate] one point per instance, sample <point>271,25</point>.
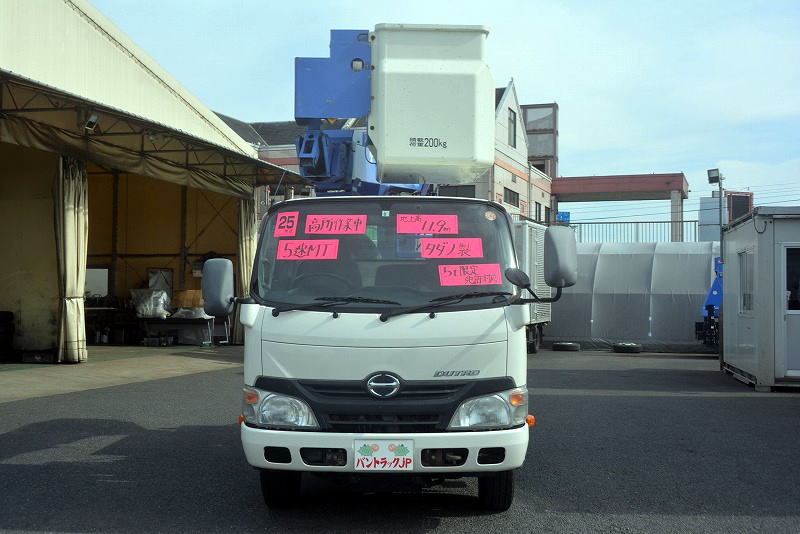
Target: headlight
<point>505,409</point>
<point>263,408</point>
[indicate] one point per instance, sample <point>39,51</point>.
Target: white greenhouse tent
<point>646,293</point>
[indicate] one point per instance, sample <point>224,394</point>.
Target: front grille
<point>383,424</point>
<point>356,390</point>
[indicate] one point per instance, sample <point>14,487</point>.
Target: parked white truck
<point>529,244</point>
<point>386,335</point>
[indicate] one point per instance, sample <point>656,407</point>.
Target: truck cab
<point>384,335</point>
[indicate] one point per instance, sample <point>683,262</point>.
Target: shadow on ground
<point>113,476</point>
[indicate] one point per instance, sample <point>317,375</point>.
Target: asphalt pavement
<point>623,443</point>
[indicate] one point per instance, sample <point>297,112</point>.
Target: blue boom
<point>332,98</point>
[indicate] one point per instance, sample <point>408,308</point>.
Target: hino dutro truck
<point>385,335</point>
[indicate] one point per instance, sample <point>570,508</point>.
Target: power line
<point>771,194</point>
<point>685,211</point>
<point>767,191</point>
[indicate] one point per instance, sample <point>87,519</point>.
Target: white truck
<point>386,335</point>
<point>529,244</point>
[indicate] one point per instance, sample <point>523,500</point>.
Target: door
<point>788,319</point>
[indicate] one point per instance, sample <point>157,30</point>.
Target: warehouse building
<point>110,169</point>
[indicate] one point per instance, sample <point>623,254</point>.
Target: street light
<point>716,177</point>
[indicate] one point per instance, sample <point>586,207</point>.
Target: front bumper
<point>515,442</point>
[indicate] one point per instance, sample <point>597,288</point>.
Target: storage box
<point>187,298</point>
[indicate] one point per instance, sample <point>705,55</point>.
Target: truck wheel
<point>563,345</point>
<point>280,489</point>
<point>534,340</point>
<point>631,348</point>
<point>496,490</point>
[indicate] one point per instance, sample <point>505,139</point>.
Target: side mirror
<point>218,298</point>
<point>560,257</point>
<point>518,278</point>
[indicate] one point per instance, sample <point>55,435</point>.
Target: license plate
<point>384,455</point>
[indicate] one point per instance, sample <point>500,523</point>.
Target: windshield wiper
<point>444,301</point>
<point>324,302</point>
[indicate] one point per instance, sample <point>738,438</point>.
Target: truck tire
<point>280,489</point>
<point>534,339</point>
<point>496,490</point>
<point>565,346</point>
<point>630,348</point>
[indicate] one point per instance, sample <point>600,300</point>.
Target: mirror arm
<point>540,299</point>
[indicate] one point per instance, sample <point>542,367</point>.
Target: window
<point>401,251</point>
<point>538,212</point>
<point>512,128</point>
<point>96,282</point>
<point>793,278</point>
<point>547,215</point>
<point>746,272</point>
<point>511,197</point>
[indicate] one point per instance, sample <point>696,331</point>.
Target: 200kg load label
<point>427,142</point>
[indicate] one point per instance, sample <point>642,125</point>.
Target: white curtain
<point>248,240</point>
<point>72,235</point>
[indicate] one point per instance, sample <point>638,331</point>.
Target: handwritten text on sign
<point>336,224</point>
<point>451,247</point>
<point>474,274</point>
<point>308,249</point>
<point>286,224</point>
<point>411,223</point>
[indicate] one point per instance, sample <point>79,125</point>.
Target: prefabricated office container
<point>761,297</point>
<point>529,245</point>
<point>432,113</point>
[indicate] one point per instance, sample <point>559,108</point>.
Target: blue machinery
<point>334,154</point>
<point>708,330</point>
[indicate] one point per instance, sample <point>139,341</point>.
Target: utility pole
<point>715,177</point>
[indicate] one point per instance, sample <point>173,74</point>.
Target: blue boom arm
<point>333,154</point>
<point>714,297</point>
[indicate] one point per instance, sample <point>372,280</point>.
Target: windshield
<point>389,252</point>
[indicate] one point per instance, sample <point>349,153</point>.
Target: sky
<point>642,87</point>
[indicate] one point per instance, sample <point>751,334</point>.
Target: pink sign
<point>451,247</point>
<point>336,224</point>
<point>308,249</point>
<point>415,223</point>
<point>286,225</point>
<point>472,274</point>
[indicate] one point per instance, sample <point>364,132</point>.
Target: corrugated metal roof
<point>70,45</point>
<point>243,129</point>
<point>498,95</point>
<point>285,132</point>
<point>278,133</point>
<point>63,66</point>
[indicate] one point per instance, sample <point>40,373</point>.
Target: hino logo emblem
<point>383,385</point>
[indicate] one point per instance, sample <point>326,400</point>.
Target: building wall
<point>740,328</point>
<point>511,170</point>
<point>283,155</point>
<point>708,218</point>
<point>149,228</point>
<point>28,270</point>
